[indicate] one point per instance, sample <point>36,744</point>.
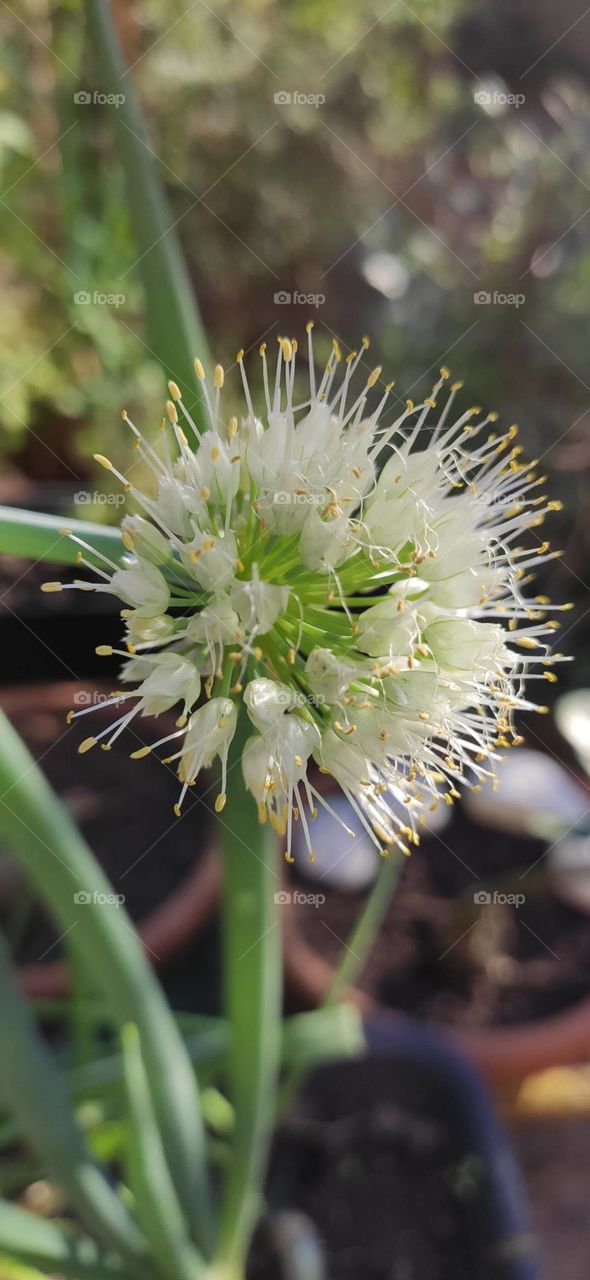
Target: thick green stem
<point>252,973</point>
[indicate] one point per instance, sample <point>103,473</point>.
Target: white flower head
<point>350,579</point>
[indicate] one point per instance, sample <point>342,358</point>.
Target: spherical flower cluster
<point>354,585</point>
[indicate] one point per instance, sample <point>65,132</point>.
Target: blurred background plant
<point>398,199</point>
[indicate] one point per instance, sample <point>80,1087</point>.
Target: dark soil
<point>375,1178</point>
<point>443,958</point>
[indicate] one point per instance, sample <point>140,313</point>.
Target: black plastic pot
<point>496,1217</point>
<point>396,1166</point>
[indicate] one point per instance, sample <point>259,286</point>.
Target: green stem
<point>353,956</point>
<point>252,959</point>
<point>363,935</point>
<point>36,536</point>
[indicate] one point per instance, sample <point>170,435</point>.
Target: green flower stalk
<point>351,581</point>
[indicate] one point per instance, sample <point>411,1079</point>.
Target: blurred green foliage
<point>398,198</point>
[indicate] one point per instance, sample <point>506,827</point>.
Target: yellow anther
<point>140,754</point>
<point>220,802</point>
<point>52,586</point>
<point>103,462</point>
<point>374,376</point>
<point>218,375</point>
<point>174,390</point>
<point>86,745</point>
<point>239,355</point>
<point>104,650</point>
<point>199,370</point>
<point>127,540</point>
<point>172,411</point>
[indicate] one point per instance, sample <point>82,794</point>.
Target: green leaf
<point>44,1244</point>
<point>59,863</point>
<point>32,1087</point>
<point>157,1205</point>
<point>174,324</point>
<point>40,537</point>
